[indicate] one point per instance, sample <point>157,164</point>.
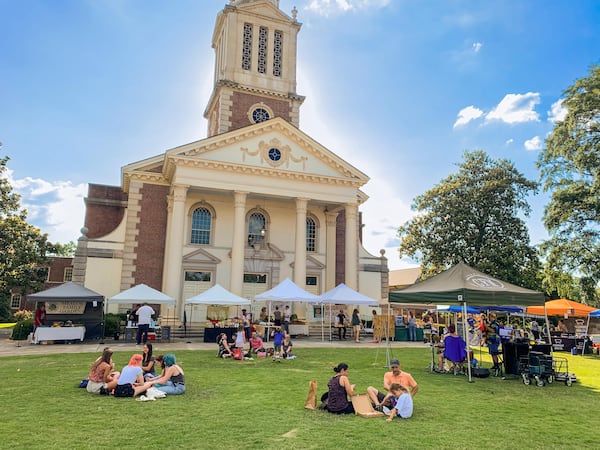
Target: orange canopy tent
<point>561,307</point>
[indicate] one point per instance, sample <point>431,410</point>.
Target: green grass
<point>259,405</point>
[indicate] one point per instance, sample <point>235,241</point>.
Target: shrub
<point>112,324</point>
<point>22,329</point>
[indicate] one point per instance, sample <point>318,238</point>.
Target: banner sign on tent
<point>65,307</point>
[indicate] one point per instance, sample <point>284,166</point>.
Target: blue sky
<point>397,88</point>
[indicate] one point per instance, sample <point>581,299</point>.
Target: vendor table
<point>210,334</point>
<point>564,342</point>
<point>58,334</point>
<point>298,329</point>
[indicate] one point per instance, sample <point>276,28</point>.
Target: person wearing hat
<point>395,376</point>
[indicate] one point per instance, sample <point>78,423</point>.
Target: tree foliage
<point>23,258</point>
<point>570,170</point>
<point>472,216</point>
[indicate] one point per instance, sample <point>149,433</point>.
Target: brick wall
<point>104,209</point>
<point>152,236</point>
<point>242,103</point>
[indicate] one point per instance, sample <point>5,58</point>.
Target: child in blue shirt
<point>404,402</point>
<point>278,337</point>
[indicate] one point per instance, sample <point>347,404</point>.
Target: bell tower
<point>255,66</point>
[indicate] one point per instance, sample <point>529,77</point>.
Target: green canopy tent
<point>462,284</point>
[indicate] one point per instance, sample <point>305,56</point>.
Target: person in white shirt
<point>144,313</point>
<point>404,403</point>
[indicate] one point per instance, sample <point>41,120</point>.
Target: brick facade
<point>151,238</point>
<point>243,102</point>
<point>105,207</point>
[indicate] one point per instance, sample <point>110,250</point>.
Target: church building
<point>255,202</point>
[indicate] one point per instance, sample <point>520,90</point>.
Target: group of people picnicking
<point>396,399</point>
<point>139,375</point>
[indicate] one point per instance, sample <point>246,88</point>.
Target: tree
<point>472,216</point>
<point>570,169</point>
<point>67,249</point>
<point>23,261</point>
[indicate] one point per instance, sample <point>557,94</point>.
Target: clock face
<point>260,115</point>
<point>274,154</point>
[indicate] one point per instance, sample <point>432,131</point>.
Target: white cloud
<point>477,46</point>
<point>535,143</point>
<point>55,207</point>
<point>467,114</point>
<point>558,112</point>
<point>510,141</point>
<point>516,108</point>
<point>326,7</point>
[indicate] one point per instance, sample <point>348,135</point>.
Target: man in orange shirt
<point>395,376</point>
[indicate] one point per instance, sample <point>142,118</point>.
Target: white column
<point>238,242</point>
<point>351,267</point>
<point>330,255</point>
<point>174,250</point>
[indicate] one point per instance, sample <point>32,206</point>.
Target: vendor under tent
<point>462,284</point>
<point>286,291</point>
<point>75,303</point>
<point>142,293</point>
<point>217,296</point>
<point>343,295</point>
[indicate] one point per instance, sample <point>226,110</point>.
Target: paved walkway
<point>10,348</point>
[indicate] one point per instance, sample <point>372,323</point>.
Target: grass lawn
<point>259,405</point>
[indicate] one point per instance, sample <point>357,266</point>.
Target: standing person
<point>412,327</point>
<point>144,318</point>
<point>102,378</point>
<point>535,329</point>
<point>277,316</point>
<point>287,317</point>
<point>148,362</point>
<point>403,402</point>
<point>131,382</point>
<point>245,318</point>
<point>493,340</point>
<point>395,376</point>
<point>263,316</point>
<point>278,337</point>
<point>240,339</point>
<point>172,381</point>
<point>339,389</point>
<point>341,317</point>
<point>40,316</point>
<point>356,325</point>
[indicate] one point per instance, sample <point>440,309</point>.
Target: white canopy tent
<point>142,293</point>
<point>217,296</point>
<point>343,295</point>
<point>287,291</point>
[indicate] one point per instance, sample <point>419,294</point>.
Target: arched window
<point>311,235</point>
<point>201,223</point>
<point>256,228</point>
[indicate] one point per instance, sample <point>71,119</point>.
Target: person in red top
<point>40,316</point>
<point>389,378</point>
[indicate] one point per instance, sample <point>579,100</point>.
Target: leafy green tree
<point>473,216</point>
<point>67,249</point>
<point>570,169</point>
<point>23,259</point>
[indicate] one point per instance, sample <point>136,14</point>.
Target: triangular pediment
<point>271,147</point>
<point>200,257</point>
<point>312,264</point>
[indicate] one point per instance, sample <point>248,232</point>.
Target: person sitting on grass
<point>256,344</point>
<point>148,361</point>
<point>131,382</point>
<point>102,378</point>
<point>172,381</point>
<point>286,347</point>
<point>224,348</point>
<point>380,399</point>
<point>339,389</point>
<point>403,402</point>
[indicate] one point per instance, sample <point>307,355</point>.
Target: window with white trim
<point>311,235</point>
<point>201,224</point>
<point>15,301</point>
<point>68,275</point>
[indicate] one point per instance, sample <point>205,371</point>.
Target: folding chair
<point>455,351</point>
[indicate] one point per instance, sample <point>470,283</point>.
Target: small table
<point>58,334</point>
